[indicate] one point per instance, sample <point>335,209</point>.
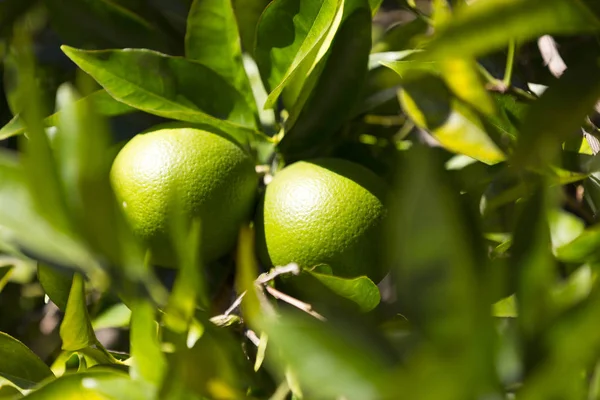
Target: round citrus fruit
<point>325,211</point>
<point>212,177</point>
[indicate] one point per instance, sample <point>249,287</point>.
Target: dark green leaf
<point>103,24</point>
<point>9,393</point>
<point>489,25</point>
<point>170,87</point>
<point>361,290</point>
<point>101,385</point>
<point>10,11</point>
<point>288,34</point>
<point>327,361</point>
<point>56,284</point>
<point>341,75</point>
<point>212,39</point>
<point>558,114</point>
<point>454,124</point>
<point>438,270</point>
<point>102,102</point>
<point>247,13</point>
<point>20,365</point>
<point>76,329</point>
<point>400,36</point>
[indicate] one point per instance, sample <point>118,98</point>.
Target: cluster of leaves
<point>492,239</point>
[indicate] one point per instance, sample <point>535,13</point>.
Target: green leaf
<point>341,76</point>
<point>247,13</point>
<point>401,36</point>
<point>171,87</point>
<point>485,26</point>
<point>102,102</point>
<point>56,284</point>
<point>22,220</point>
<point>456,126</point>
<point>10,11</point>
<point>287,33</point>
<point>463,78</point>
<point>212,39</point>
<point>104,24</point>
<point>361,290</point>
<point>117,316</point>
<point>329,362</point>
<point>532,261</point>
<point>20,365</point>
<point>149,362</point>
<point>438,274</point>
<point>100,385</point>
<point>583,248</point>
<point>558,113</point>
<point>76,329</point>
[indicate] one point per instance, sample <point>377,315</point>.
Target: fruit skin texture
<point>324,211</point>
<point>212,176</point>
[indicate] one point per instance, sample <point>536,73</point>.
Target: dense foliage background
<point>480,115</point>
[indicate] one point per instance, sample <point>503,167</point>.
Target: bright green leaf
<point>148,361</point>
<point>170,87</point>
<point>117,316</point>
<point>458,128</point>
<point>361,290</point>
<point>20,365</point>
<point>94,385</point>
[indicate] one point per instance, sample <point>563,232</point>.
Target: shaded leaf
<point>170,87</point>
<point>20,365</point>
<point>327,362</point>
<point>212,39</point>
<point>247,14</point>
<point>56,284</point>
<point>489,25</point>
<point>102,102</point>
<point>360,290</point>
<point>104,24</point>
<point>558,114</point>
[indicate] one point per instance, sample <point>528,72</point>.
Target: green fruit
<point>213,178</point>
<point>326,211</point>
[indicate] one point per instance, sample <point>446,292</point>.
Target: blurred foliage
<point>493,233</point>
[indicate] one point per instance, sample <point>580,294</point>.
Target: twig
<point>253,337</point>
<point>292,268</point>
<point>235,304</point>
<point>294,302</point>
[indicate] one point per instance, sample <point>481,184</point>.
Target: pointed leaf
<point>76,329</point>
<point>360,290</point>
<point>20,365</point>
<point>212,39</point>
<point>56,284</point>
<point>170,87</point>
<point>432,107</point>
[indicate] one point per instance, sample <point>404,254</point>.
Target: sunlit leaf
<point>148,362</point>
<point>361,290</point>
<point>76,329</point>
<point>170,87</point>
<point>94,385</point>
<point>457,127</point>
<point>117,316</point>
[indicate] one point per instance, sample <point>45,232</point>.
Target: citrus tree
<point>299,199</point>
